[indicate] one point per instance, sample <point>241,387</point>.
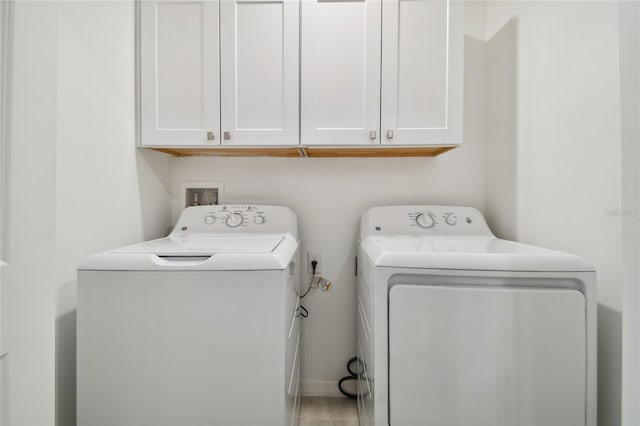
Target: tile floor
<point>328,412</point>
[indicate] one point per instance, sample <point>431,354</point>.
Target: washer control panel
<point>427,219</point>
<point>235,218</point>
<point>424,220</point>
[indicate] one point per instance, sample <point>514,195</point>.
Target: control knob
<point>258,220</point>
<point>425,221</point>
<point>451,220</point>
<point>234,220</point>
<point>209,219</point>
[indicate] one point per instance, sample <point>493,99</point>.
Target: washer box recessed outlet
<point>201,197</point>
<point>201,194</point>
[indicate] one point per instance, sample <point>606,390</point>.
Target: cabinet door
<point>259,43</point>
<point>422,72</point>
<point>340,72</point>
<point>179,78</point>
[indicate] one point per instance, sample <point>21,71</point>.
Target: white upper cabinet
<point>340,72</point>
<point>259,47</point>
<point>301,72</point>
<point>219,72</point>
<point>422,72</point>
<point>179,73</point>
<point>408,93</point>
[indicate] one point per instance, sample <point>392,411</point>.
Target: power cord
<point>353,376</point>
<point>302,311</point>
<point>314,264</point>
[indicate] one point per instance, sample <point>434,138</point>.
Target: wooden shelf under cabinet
<point>306,151</point>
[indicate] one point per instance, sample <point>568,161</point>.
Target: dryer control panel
<point>236,218</point>
<point>423,220</point>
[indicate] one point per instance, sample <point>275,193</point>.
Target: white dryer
<point>457,327</point>
<point>198,328</point>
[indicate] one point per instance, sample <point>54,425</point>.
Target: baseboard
<point>317,387</point>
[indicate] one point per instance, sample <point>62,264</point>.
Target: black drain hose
<point>352,376</point>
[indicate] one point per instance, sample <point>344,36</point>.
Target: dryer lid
<point>467,253</point>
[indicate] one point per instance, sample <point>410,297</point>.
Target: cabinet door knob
<point>373,135</point>
<point>389,134</point>
<point>227,136</point>
<point>210,136</point>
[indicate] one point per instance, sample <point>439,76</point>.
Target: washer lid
<point>206,245</point>
<point>467,253</point>
<point>200,252</point>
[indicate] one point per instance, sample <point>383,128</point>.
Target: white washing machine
<point>457,327</point>
<point>199,328</point>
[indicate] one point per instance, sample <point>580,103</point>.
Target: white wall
<point>568,151</point>
<point>6,41</point>
<point>78,183</point>
<point>630,93</point>
<point>502,127</point>
<point>329,195</point>
<point>28,291</point>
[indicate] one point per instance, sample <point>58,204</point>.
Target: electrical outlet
<point>311,256</point>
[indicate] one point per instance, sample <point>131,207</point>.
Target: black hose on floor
<point>352,376</point>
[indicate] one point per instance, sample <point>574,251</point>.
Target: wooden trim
<point>232,152</point>
<point>426,151</point>
<point>305,151</point>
